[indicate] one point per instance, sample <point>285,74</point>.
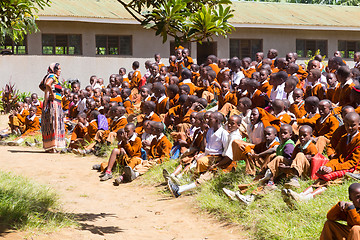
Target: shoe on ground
<point>175,179</point>
<point>36,141</point>
<point>119,180</point>
<point>13,143</point>
<point>174,188</point>
<point>293,183</point>
<point>166,174</point>
<point>76,151</point>
<point>129,174</point>
<point>247,199</point>
<point>230,194</point>
<point>3,143</point>
<point>297,197</point>
<point>268,175</point>
<point>106,177</point>
<point>353,175</point>
<point>96,167</point>
<point>62,151</point>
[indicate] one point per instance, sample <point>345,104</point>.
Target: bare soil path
<point>105,211</point>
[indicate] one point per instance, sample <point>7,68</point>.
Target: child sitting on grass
<point>344,211</point>
<point>126,154</point>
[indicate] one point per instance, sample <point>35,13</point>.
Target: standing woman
<point>52,118</point>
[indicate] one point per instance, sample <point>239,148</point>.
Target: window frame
<point>316,46</point>
<point>54,35</point>
<point>239,54</point>
<point>119,45</point>
<point>345,53</point>
<point>7,42</point>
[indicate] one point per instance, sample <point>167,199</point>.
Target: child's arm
<point>267,152</point>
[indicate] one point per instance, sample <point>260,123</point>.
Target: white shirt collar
<point>93,120</point>
<point>133,137</point>
<point>22,110</point>
<point>322,120</point>
<point>348,82</point>
<point>268,145</point>
<point>31,118</point>
<point>306,145</point>
<point>161,135</point>
<point>188,80</point>
<point>224,69</point>
<point>161,98</point>
<point>150,115</point>
<point>280,114</point>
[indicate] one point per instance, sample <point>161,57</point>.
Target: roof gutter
<point>295,27</point>
<point>90,20</point>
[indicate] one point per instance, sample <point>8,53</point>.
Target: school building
<point>98,37</point>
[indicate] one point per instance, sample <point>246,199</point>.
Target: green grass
<point>26,205</point>
<point>268,217</point>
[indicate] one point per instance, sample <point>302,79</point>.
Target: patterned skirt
<point>52,126</point>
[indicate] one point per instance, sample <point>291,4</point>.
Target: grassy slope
<point>27,205</point>
<point>268,217</point>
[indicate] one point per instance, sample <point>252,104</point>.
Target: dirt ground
<point>105,211</point>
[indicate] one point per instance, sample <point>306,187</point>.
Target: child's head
<point>314,75</point>
<point>90,104</point>
<point>251,85</point>
<point>129,130</point>
<point>222,63</point>
<point>264,74</point>
<point>148,107</point>
<point>186,52</point>
<point>32,111</point>
<point>259,56</point>
<point>172,90</point>
<point>94,115</point>
<point>354,194</point>
<point>256,76</point>
<point>105,99</point>
<point>345,110</point>
<point>215,120</point>
<point>122,71</point>
<point>185,74</point>
<point>34,96</point>
<point>89,89</point>
<point>292,68</point>
<point>199,119</point>
<point>19,106</point>
<point>305,134</point>
<point>331,79</point>
<point>147,127</point>
<point>157,128</point>
<point>285,132</point>
<point>75,98</point>
<point>157,57</point>
<point>324,107</point>
<point>290,58</point>
<point>81,117</point>
<point>280,78</point>
<point>120,134</point>
<point>244,104</point>
<point>27,100</point>
<point>206,119</point>
<point>233,123</point>
<point>144,92</point>
<point>125,93</point>
<point>148,64</point>
<point>290,85</point>
<point>75,87</point>
<point>97,92</point>
<point>163,70</point>
<point>272,53</point>
<point>278,106</point>
<point>115,91</point>
<point>135,65</point>
<point>193,118</point>
<point>270,134</point>
<point>71,97</point>
<point>159,90</point>
<point>178,53</point>
<point>184,89</point>
<point>93,78</point>
<point>281,63</point>
<point>225,87</point>
<point>97,101</point>
<point>245,62</point>
<point>254,116</point>
<point>351,123</point>
<point>343,74</point>
<point>211,75</point>
<point>172,59</point>
<point>174,80</point>
<point>154,69</point>
<point>211,59</point>
<point>298,95</point>
<point>311,104</point>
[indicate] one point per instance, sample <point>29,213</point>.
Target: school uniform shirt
<point>285,149</point>
<point>161,104</point>
<point>228,97</point>
<point>278,93</point>
<point>133,147</point>
<point>298,109</point>
<point>147,137</point>
<point>216,141</point>
<point>326,126</point>
<point>350,215</point>
<point>256,132</point>
<point>32,124</point>
<point>308,148</point>
<point>81,106</point>
<point>235,135</point>
<point>265,87</point>
<point>236,77</point>
<point>79,132</point>
<point>284,117</point>
<point>160,147</point>
<point>117,123</point>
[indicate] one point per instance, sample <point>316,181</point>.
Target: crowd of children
<point>273,113</point>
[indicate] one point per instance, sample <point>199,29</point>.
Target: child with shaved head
<point>344,211</point>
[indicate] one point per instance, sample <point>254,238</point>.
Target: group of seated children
<point>274,114</point>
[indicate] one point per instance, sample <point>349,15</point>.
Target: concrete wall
<point>27,70</point>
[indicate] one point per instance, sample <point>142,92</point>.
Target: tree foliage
<point>17,17</point>
<point>327,2</point>
<point>184,20</point>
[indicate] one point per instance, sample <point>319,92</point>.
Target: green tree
<point>17,17</point>
<point>184,20</point>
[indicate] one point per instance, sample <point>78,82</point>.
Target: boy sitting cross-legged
<point>126,154</point>
<point>159,152</point>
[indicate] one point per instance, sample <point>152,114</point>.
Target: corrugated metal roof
<point>295,14</point>
<point>246,13</point>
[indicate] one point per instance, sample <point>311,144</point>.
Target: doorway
<point>204,50</point>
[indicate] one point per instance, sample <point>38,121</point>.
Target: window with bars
<point>10,47</point>
<point>308,48</point>
<point>348,48</point>
<point>113,45</point>
<point>61,44</point>
<point>245,47</point>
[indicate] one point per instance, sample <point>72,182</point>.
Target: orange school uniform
<point>229,97</point>
<point>135,79</point>
<point>160,148</point>
<point>32,124</point>
<point>265,87</point>
<point>298,109</point>
<point>248,72</point>
<point>162,106</point>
